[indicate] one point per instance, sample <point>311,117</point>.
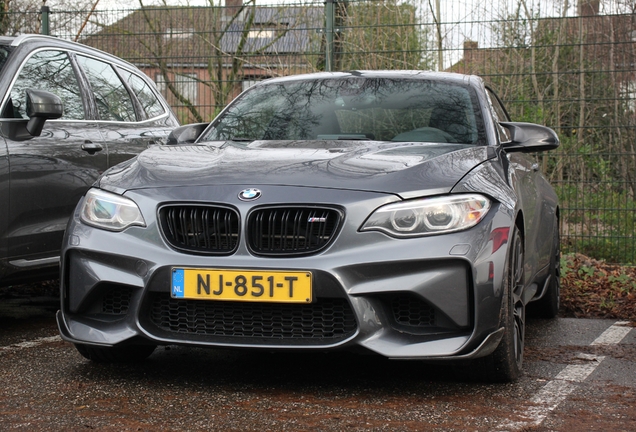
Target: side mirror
<point>41,106</point>
<point>530,137</point>
<point>186,134</point>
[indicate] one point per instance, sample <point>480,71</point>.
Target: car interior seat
<point>452,121</point>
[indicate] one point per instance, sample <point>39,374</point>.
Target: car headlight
<point>112,212</point>
<point>429,215</point>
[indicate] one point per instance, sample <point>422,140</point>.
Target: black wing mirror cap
<point>530,137</point>
<point>40,107</point>
<point>186,134</point>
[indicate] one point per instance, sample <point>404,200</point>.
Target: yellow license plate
<point>242,285</point>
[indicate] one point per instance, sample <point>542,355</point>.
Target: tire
<point>505,363</point>
<point>123,354</point>
<point>548,305</point>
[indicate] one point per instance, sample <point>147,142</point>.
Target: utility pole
<point>329,46</point>
<point>44,28</point>
<point>440,53</point>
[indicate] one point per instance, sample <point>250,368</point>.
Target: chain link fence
<point>569,65</point>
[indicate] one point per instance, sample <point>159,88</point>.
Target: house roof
<point>191,35</point>
<point>277,30</point>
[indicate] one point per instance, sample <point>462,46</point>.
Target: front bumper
<point>435,297</point>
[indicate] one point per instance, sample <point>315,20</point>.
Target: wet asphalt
<point>568,383</point>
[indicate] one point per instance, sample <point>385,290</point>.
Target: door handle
<point>91,148</point>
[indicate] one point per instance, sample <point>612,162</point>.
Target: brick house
<point>198,55</point>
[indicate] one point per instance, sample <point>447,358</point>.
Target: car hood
<point>404,169</point>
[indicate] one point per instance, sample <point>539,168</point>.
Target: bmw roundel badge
<point>250,194</point>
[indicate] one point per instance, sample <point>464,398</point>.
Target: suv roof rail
<point>18,40</point>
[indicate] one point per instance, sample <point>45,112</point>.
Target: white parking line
<point>29,344</point>
<point>614,334</point>
<point>556,391</point>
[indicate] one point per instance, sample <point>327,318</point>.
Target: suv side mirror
<point>186,134</point>
<point>41,106</point>
<point>529,137</point>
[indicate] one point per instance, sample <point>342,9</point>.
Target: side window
<point>51,71</point>
<point>112,98</point>
<point>500,112</point>
<point>148,99</point>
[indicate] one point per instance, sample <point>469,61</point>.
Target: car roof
<point>450,77</point>
<point>55,42</point>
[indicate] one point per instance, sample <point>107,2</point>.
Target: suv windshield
<point>382,109</point>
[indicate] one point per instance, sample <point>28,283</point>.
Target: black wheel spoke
<point>518,307</point>
<point>520,325</point>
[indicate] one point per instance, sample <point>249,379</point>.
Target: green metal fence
<point>568,65</point>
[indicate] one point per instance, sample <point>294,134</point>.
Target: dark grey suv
<point>68,112</point>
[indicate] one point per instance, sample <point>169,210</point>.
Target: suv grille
<point>202,229</point>
<point>326,321</point>
<point>291,231</point>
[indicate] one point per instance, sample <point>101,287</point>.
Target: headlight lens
<point>429,216</point>
<point>112,212</point>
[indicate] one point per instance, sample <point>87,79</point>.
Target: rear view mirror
<point>41,106</point>
<point>186,134</point>
<point>530,137</point>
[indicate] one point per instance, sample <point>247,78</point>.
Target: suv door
<point>130,112</point>
<point>48,173</point>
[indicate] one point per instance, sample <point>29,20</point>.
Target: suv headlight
<point>429,216</point>
<point>112,212</point>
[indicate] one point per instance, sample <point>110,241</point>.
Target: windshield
<point>355,108</point>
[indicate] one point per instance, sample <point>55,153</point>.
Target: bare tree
<point>383,34</point>
<point>24,16</point>
<point>211,49</point>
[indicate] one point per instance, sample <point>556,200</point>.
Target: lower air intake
<point>326,321</point>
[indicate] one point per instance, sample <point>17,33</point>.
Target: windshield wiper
<point>345,137</point>
<point>241,139</point>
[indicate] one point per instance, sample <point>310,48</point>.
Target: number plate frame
<point>277,286</point>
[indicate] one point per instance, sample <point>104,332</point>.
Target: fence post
<point>44,28</point>
<point>329,12</point>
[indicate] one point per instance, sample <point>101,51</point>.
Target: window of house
<point>112,98</point>
<point>51,71</point>
<point>185,84</point>
<point>261,33</point>
<point>247,83</point>
<point>178,33</point>
<point>266,30</point>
